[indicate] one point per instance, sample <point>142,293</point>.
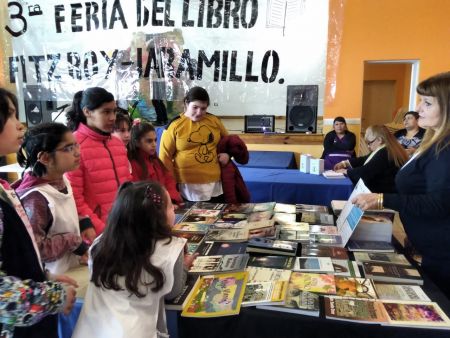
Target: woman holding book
<point>423,184</point>
<point>378,169</point>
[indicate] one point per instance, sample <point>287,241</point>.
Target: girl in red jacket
<point>104,164</point>
<point>145,164</point>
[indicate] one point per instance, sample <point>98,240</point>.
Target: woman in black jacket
<point>378,169</point>
<point>423,198</point>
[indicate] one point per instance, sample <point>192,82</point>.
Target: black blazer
<point>378,174</point>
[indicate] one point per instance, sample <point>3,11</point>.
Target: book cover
<point>228,225</point>
<point>209,206</point>
<point>285,208</point>
<point>282,218</point>
<point>370,246</point>
<point>358,310</point>
<point>193,240</point>
<point>297,226</point>
<point>416,314</point>
<point>191,227</point>
<point>315,218</point>
<point>293,235</point>
<point>217,295</point>
<point>244,208</point>
<point>259,216</point>
<point>199,219</point>
<point>387,257</point>
<point>401,292</point>
<point>258,274</point>
<point>232,218</point>
<point>345,267</point>
<point>270,246</point>
<point>314,282</point>
<point>313,264</point>
<point>269,232</point>
<point>273,262</point>
<point>323,229</point>
<point>179,302</point>
<point>333,175</point>
<point>259,293</point>
<point>355,287</point>
<point>297,301</point>
<point>220,263</point>
<point>265,206</point>
<point>392,273</point>
<point>227,235</point>
<point>204,212</point>
<point>334,240</point>
<point>324,251</point>
<point>311,208</point>
<point>221,248</point>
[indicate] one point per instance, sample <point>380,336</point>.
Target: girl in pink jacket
<point>103,159</point>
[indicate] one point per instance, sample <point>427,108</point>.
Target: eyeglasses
<point>69,148</point>
<point>370,142</point>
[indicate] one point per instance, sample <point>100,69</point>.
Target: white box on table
<point>305,163</point>
<point>316,166</point>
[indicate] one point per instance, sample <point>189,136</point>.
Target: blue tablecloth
<point>270,159</point>
<point>292,186</point>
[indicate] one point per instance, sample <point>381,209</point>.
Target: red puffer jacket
<point>103,167</point>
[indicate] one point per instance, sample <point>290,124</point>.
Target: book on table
<point>227,235</point>
<point>204,212</point>
<point>352,287</point>
<point>209,206</point>
<point>285,208</point>
<point>265,293</point>
<point>191,227</point>
<point>401,292</point>
<point>180,301</point>
<point>216,295</point>
<point>208,248</point>
<point>244,208</point>
<point>314,282</point>
<point>215,264</point>
<point>392,273</point>
<point>370,246</point>
<point>345,267</point>
<point>313,264</point>
<point>258,274</point>
<point>273,262</point>
<point>312,208</point>
<point>297,301</point>
<point>387,257</point>
<point>323,229</point>
<point>194,240</point>
<point>333,175</point>
<point>263,206</point>
<point>316,250</point>
<point>354,310</point>
<point>270,246</point>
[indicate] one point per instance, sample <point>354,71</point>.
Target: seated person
<point>339,144</point>
<point>411,136</point>
<point>378,169</point>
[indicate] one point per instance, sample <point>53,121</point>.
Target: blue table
<point>270,160</point>
<point>292,186</point>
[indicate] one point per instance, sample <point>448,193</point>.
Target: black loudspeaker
<point>301,109</point>
<point>39,104</point>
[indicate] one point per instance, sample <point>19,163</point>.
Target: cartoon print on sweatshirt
<point>203,136</point>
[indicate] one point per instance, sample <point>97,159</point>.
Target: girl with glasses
<point>49,151</point>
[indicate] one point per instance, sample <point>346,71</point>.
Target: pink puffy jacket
<point>103,167</point>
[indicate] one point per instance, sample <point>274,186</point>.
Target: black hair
<point>196,94</point>
<point>136,222</point>
<point>340,119</point>
<point>4,106</point>
<point>413,113</point>
<point>91,98</point>
<point>121,117</point>
<point>137,131</point>
<point>43,137</point>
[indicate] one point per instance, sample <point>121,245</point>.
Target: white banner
<point>244,52</point>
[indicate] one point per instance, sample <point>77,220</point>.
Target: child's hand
<point>84,259</point>
<point>64,279</point>
<point>223,158</point>
<point>189,260</point>
<point>88,235</point>
<point>70,300</point>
